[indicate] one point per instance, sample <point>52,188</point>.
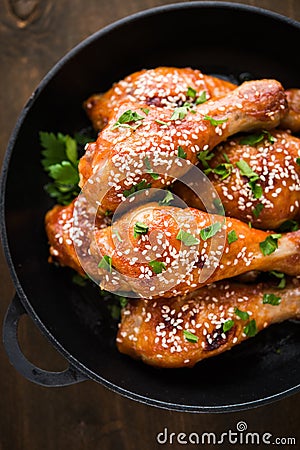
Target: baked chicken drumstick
<point>171,87</point>
<point>161,86</point>
<point>181,331</point>
<point>184,249</point>
<point>117,158</point>
<point>257,183</point>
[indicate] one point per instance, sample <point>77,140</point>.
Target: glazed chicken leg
<point>269,201</point>
<point>181,331</point>
<point>180,250</point>
<point>117,158</point>
<point>170,87</point>
<point>162,86</point>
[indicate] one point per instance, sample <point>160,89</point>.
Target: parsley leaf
<point>205,156</point>
<point>270,244</point>
<point>137,187</point>
<point>228,325</point>
<point>181,153</point>
<point>187,238</point>
<point>167,200</point>
<point>106,263</point>
<point>179,113</point>
<point>253,139</point>
<point>258,209</point>
<point>126,118</point>
<point>223,170</point>
<point>246,170</point>
<point>281,277</point>
<point>298,161</point>
<point>157,266</point>
<point>241,314</point>
<point>155,176</point>
<point>140,228</point>
<point>214,122</point>
<point>191,92</point>
<point>253,177</point>
<point>211,230</point>
<point>250,329</point>
<point>161,122</point>
<point>232,237</point>
<point>190,337</point>
<point>271,299</point>
<point>201,98</point>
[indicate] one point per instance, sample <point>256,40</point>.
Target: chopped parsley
<point>126,118</point>
<point>223,170</point>
<point>214,122</point>
<point>205,156</point>
<point>250,329</point>
<point>190,337</point>
<point>253,177</point>
<point>281,277</point>
<point>167,199</point>
<point>256,189</point>
<point>210,231</point>
<point>179,113</point>
<point>181,153</point>
<point>147,163</point>
<point>145,110</point>
<point>139,229</point>
<point>157,266</point>
<point>228,325</point>
<point>289,225</point>
<point>191,92</point>
<point>241,314</point>
<point>161,122</point>
<point>271,299</point>
<point>298,161</point>
<point>202,98</point>
<point>255,138</point>
<point>60,161</point>
<point>258,209</point>
<point>187,238</point>
<point>232,237</point>
<point>270,244</point>
<point>137,187</point>
<point>105,263</point>
<point>246,170</point>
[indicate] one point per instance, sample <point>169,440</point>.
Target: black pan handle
<point>21,364</point>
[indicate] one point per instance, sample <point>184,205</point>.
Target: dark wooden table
<point>35,34</point>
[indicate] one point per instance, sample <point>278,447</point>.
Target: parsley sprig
<point>60,161</point>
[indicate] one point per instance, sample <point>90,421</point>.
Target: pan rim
<point>3,177</point>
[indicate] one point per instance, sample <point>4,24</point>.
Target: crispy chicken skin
<point>279,177</point>
<point>187,263</point>
<point>156,332</point>
<point>118,154</point>
<point>162,86</point>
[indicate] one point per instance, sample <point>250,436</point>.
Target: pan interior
<point>218,39</point>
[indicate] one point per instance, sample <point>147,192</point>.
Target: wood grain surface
<point>35,34</point>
